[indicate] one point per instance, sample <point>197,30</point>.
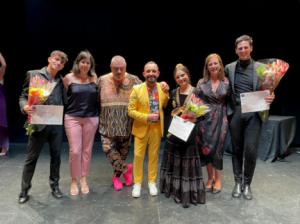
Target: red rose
<point>205,150</point>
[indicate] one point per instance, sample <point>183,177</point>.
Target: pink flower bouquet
<point>270,72</point>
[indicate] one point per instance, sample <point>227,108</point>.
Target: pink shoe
<point>4,152</point>
<point>128,175</point>
<point>117,183</point>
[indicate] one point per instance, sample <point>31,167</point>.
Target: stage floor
<point>276,190</point>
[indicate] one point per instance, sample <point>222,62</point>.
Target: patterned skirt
<point>181,174</point>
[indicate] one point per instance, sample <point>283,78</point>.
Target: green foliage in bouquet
<point>30,128</point>
<point>198,110</point>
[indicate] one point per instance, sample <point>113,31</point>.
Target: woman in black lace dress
<point>180,172</point>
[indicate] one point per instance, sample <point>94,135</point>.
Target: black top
<point>243,81</point>
<point>82,100</point>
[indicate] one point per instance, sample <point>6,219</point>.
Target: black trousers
<point>53,135</point>
<point>245,132</point>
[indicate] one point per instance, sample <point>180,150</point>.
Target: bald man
<point>115,125</point>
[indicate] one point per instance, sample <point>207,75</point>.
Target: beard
<point>151,80</point>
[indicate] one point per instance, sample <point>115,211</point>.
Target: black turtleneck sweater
<point>243,79</point>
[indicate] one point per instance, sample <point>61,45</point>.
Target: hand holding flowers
<point>192,110</point>
<point>39,90</point>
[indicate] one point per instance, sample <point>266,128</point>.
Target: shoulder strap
<point>187,99</point>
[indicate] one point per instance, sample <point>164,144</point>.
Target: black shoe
<point>247,192</point>
<point>23,197</point>
<point>185,205</point>
<point>237,190</point>
<point>57,193</point>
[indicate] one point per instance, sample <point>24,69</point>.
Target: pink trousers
<point>80,132</point>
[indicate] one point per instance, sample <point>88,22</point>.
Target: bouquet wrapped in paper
<point>39,90</point>
<point>270,72</point>
<point>194,108</point>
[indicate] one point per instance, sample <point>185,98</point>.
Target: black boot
<point>56,192</point>
<point>237,190</point>
<point>23,197</point>
<point>247,192</point>
<point>53,181</point>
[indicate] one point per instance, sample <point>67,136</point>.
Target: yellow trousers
<point>152,139</point>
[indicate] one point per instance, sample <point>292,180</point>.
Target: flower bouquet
<point>270,72</point>
<point>39,90</point>
<point>193,109</point>
<point>190,111</point>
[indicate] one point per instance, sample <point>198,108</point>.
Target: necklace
<point>214,85</point>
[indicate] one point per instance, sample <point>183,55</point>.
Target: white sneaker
<point>136,191</point>
<point>152,189</point>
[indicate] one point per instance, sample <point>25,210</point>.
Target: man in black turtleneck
<point>244,128</point>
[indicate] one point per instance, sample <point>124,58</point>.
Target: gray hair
<point>118,59</point>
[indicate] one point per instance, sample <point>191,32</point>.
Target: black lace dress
<point>180,172</point>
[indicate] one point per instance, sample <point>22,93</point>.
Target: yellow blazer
<point>138,109</point>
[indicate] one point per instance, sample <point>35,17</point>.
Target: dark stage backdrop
<point>166,32</point>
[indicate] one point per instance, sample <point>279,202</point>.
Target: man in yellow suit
<point>146,104</point>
